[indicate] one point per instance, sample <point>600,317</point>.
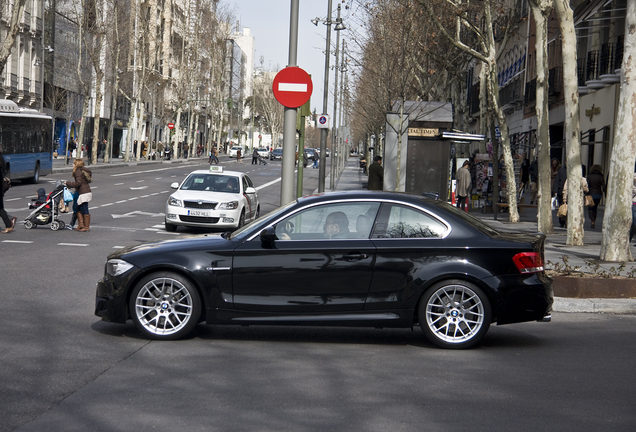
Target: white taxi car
<point>212,199</point>
<point>234,150</point>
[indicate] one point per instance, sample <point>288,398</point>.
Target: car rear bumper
<point>523,298</point>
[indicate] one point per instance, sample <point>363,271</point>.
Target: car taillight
<point>528,262</point>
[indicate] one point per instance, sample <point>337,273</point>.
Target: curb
<point>595,305</point>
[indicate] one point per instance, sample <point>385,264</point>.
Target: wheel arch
<point>458,277</point>
<point>172,269</point>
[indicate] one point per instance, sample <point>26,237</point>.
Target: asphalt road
<point>64,370</point>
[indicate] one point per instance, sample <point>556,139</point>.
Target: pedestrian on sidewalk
<point>596,183</point>
<point>533,171</point>
<point>238,155</point>
<point>557,189</point>
<point>376,174</point>
<point>9,221</point>
<point>255,156</point>
<point>463,184</point>
<point>584,190</point>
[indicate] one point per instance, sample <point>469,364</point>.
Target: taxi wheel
<point>241,219</point>
<point>170,227</point>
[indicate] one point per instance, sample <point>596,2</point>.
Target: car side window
<point>334,221</point>
<point>405,222</point>
<point>245,184</point>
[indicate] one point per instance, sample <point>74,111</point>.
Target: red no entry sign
<point>292,87</point>
<point>170,125</point>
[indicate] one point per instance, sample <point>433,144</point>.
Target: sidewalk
<point>58,164</point>
<point>556,251</point>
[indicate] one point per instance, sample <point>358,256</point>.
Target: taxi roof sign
<point>216,168</point>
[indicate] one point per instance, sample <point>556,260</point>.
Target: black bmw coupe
<point>362,258</point>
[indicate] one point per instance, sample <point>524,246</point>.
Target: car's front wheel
<point>241,221</point>
<point>165,306</point>
<point>454,314</point>
<point>170,227</point>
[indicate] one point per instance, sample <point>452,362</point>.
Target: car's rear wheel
<point>165,306</point>
<point>454,314</point>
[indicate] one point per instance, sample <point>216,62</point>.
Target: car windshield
<point>211,183</point>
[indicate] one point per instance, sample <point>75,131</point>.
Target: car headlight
<point>115,267</point>
<point>232,205</point>
<point>175,202</point>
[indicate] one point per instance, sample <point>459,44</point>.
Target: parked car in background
<point>358,258</point>
<point>234,150</point>
<point>263,152</point>
<point>212,199</point>
<point>277,153</point>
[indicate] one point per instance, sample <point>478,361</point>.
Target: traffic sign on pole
<point>292,87</point>
<point>170,125</point>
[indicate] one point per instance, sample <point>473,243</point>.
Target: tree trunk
<point>572,128</point>
<point>493,94</point>
<point>541,10</point>
<point>99,78</point>
<point>618,208</point>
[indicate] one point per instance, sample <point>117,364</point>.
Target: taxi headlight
<point>175,202</point>
<point>115,267</point>
<point>232,205</point>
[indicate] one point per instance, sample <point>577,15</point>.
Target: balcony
<point>608,73</point>
<point>555,87</point>
<point>511,95</point>
<point>592,71</point>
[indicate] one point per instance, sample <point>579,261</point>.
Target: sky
<point>269,23</point>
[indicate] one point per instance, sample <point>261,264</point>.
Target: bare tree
<point>541,10</point>
<point>572,119</point>
<point>14,27</point>
<point>618,211</point>
<point>481,45</point>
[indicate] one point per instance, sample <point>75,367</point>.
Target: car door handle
<point>353,257</point>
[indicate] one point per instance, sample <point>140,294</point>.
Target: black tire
<point>454,314</point>
<point>241,221</point>
<point>36,174</point>
<point>170,227</point>
<point>165,306</point>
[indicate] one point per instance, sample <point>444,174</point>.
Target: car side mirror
<point>250,190</point>
<point>175,185</point>
<point>268,235</point>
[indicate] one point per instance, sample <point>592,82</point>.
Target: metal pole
<point>289,125</point>
<point>325,101</point>
<point>334,142</point>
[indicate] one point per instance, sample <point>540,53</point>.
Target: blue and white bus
<point>26,138</point>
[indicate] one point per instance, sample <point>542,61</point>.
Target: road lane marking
<point>268,184</point>
<point>106,205</point>
<point>154,170</point>
<point>121,202</point>
<point>73,244</point>
<point>16,241</point>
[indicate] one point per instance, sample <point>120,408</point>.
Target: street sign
<point>170,125</point>
<point>322,122</point>
<point>292,87</point>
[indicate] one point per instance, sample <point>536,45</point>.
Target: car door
<point>411,249</point>
<point>304,271</point>
<point>252,198</point>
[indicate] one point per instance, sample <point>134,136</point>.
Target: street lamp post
<point>335,134</point>
<point>325,100</point>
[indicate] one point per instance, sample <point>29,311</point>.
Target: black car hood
<point>207,241</point>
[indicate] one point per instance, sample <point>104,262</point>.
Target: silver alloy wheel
<point>455,314</point>
<point>163,306</point>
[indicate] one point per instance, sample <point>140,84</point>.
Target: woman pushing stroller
<point>82,176</point>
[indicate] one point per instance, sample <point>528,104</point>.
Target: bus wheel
<point>36,174</point>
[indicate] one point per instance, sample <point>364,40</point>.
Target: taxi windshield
<point>211,183</point>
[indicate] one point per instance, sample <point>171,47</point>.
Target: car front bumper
<point>202,218</point>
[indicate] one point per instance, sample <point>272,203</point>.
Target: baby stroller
<point>46,209</point>
<point>261,160</point>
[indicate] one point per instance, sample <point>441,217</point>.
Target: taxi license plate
<point>199,213</point>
